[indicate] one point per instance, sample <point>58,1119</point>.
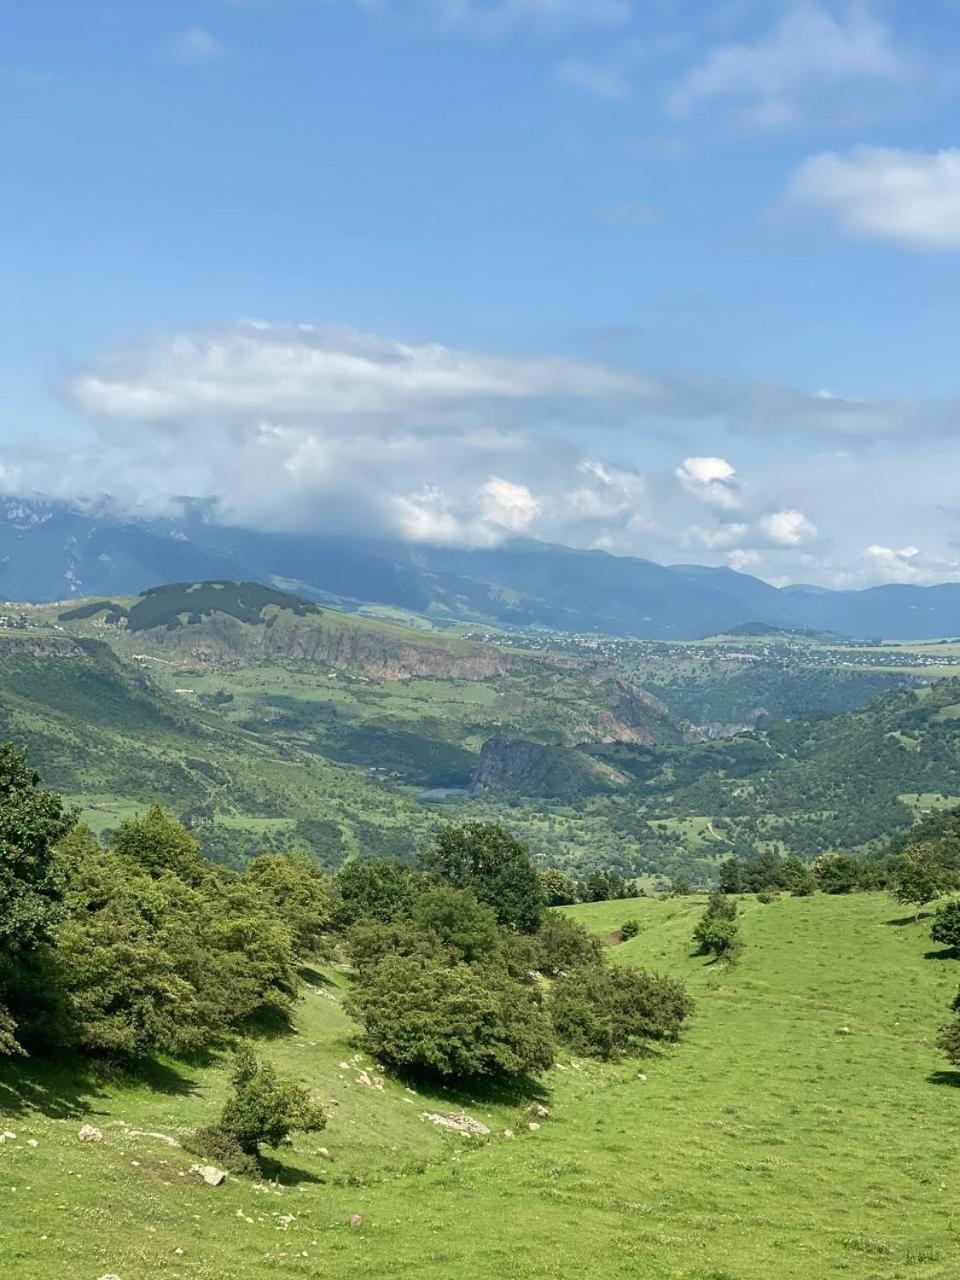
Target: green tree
<point>946,925</point>
<point>263,1109</point>
<point>558,889</point>
<point>455,1021</point>
<point>299,892</point>
<point>605,1010</point>
<point>564,945</point>
<point>918,879</point>
<point>495,866</point>
<point>159,843</point>
<point>32,884</point>
<point>461,923</point>
<point>372,889</point>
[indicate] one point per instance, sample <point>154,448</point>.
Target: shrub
<point>264,1108</point>
<point>629,929</point>
<point>565,945</point>
<point>949,1041</point>
<point>455,1021</point>
<point>717,933</point>
<point>370,941</point>
<point>946,925</point>
<point>606,1011</point>
<point>215,1145</point>
<point>768,895</point>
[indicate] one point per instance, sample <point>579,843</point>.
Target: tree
<point>264,1108</point>
<point>838,873</point>
<point>605,1010</point>
<point>454,1021</point>
<point>150,963</point>
<point>159,843</point>
<point>564,945</point>
<point>717,932</point>
<point>917,879</point>
<point>492,864</point>
<point>32,885</point>
<point>946,925</point>
<point>298,890</point>
<point>558,889</point>
<point>464,925</point>
<point>372,889</point>
<point>629,929</point>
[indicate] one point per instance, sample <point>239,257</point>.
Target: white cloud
<point>711,481</point>
<point>509,506</point>
<point>196,44</point>
<point>810,65</point>
<point>721,538</point>
<point>909,198</point>
<point>788,528</point>
<point>743,561</point>
<point>598,80</point>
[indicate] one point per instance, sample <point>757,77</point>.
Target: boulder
<point>355,1220</point>
<point>209,1173</point>
<point>90,1133</point>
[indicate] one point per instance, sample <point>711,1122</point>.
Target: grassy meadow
<point>766,1143</point>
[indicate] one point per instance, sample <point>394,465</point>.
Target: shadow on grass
<point>314,978</point>
<point>946,953</point>
<point>951,1078</point>
<point>286,1174</point>
<point>60,1090</point>
<point>463,1094</point>
<point>272,1022</point>
<point>902,921</point>
<point>159,1076</point>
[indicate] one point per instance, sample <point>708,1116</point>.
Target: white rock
<point>8,1136</point>
<point>533,1126</point>
<point>32,1142</point>
<point>209,1173</point>
<point>90,1133</point>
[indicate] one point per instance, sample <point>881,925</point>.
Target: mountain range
<point>50,551</point>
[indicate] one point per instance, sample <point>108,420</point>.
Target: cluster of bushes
<point>141,947</point>
<point>462,973</point>
<point>946,930</point>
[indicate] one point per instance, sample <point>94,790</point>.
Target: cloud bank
<point>303,427</point>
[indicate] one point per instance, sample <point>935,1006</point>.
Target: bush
<point>946,925</point>
<point>374,889</point>
<point>768,895</point>
<point>216,1146</point>
<point>558,889</point>
<point>264,1108</point>
<point>717,933</point>
<point>629,929</point>
<point>565,945</point>
<point>370,941</point>
<point>456,1021</point>
<point>606,1011</point>
<point>949,1041</point>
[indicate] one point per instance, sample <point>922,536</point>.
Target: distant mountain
<point>52,552</point>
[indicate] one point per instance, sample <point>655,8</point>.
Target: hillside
<point>49,551</point>
<point>782,1148</point>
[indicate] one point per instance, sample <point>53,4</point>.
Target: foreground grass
<point>767,1143</point>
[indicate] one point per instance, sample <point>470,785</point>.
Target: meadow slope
<point>767,1143</point>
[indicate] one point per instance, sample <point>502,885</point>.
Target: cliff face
<point>531,769</point>
<point>378,653</point>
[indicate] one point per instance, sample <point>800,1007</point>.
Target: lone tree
<point>918,879</point>
<point>717,932</point>
<point>494,866</point>
<point>264,1108</point>
<point>946,925</point>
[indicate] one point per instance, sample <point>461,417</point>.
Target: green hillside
<point>766,1143</point>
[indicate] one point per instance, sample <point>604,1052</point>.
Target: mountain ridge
<point>50,551</point>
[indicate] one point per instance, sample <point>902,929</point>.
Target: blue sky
<point>675,278</point>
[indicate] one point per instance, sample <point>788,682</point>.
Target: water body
<point>437,795</point>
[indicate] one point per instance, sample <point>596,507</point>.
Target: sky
<point>671,278</point>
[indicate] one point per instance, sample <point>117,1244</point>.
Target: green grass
<point>765,1144</point>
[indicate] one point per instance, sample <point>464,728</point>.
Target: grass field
<point>766,1144</point>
